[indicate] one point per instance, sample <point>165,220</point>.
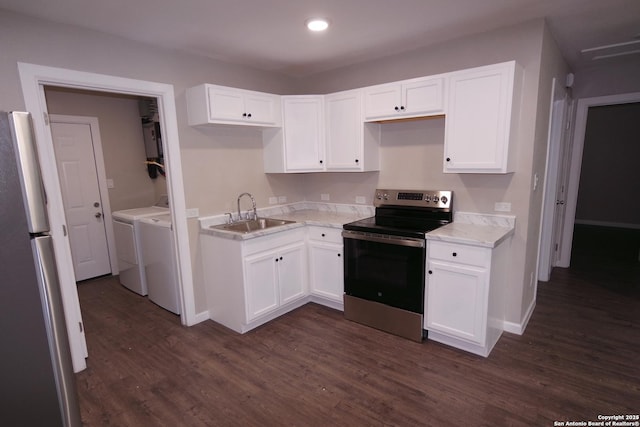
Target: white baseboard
<point>201,317</point>
<point>327,302</point>
<point>518,328</point>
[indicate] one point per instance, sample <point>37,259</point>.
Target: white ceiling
<point>270,34</point>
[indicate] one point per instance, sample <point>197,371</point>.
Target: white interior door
<point>562,182</point>
<point>553,205</point>
<point>82,200</point>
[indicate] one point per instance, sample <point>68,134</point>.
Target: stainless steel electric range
<point>384,262</point>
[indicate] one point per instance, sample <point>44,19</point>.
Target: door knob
<point>96,204</point>
<point>98,215</point>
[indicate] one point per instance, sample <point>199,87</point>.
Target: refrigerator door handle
<point>53,311</point>
<point>30,175</point>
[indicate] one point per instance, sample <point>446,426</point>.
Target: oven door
<point>386,269</point>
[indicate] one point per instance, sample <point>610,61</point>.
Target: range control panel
<point>421,198</point>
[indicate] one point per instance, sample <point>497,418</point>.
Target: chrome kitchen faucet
<point>253,201</point>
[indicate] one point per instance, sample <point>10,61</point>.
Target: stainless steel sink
<point>251,225</point>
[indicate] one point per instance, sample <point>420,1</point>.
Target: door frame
<point>33,78</point>
<point>558,120</point>
<point>576,164</point>
<point>98,154</point>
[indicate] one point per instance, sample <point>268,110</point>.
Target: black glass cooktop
<point>404,222</point>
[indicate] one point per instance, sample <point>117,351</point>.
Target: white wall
<point>603,78</point>
<point>122,143</point>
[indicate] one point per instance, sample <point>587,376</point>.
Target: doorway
<point>33,79</point>
<point>575,169</point>
<point>606,234</point>
<point>602,223</point>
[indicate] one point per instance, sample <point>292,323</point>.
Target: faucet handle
<point>230,220</point>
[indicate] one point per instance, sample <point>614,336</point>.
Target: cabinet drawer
<point>450,252</point>
<point>325,234</point>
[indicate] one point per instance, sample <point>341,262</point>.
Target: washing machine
<point>126,232</point>
<point>159,259</point>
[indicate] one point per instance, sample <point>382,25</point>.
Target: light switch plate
<point>361,200</point>
<point>109,183</point>
<point>193,213</point>
<point>282,199</point>
<point>324,197</point>
<point>273,200</point>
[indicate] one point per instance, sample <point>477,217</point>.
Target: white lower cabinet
<point>274,278</point>
<point>326,265</point>
<point>464,295</point>
<point>455,301</point>
<point>253,281</point>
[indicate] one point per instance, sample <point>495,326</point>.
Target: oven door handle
<point>382,238</point>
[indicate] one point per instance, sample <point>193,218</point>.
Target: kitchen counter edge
<point>303,216</point>
<point>475,229</point>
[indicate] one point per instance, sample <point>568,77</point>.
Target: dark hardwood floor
<point>578,358</point>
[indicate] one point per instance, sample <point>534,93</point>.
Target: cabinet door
<point>477,127</point>
<point>225,104</point>
<point>303,133</point>
<point>344,131</point>
<point>261,108</point>
<point>382,101</point>
<point>423,97</point>
<point>292,273</point>
<point>261,283</point>
<point>456,301</point>
<point>326,271</point>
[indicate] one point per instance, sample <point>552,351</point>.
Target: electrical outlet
<point>324,197</point>
<point>273,200</point>
<point>109,183</point>
<point>282,199</point>
<point>193,213</point>
<point>361,200</point>
<point>502,207</point>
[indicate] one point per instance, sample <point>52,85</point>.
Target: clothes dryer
<point>158,255</point>
<point>125,230</point>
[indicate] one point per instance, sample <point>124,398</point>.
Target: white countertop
<point>303,213</point>
<point>468,228</point>
<point>475,229</point>
<point>321,218</point>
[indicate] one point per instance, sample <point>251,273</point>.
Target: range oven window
<point>385,272</point>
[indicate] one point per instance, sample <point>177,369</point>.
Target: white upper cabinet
<point>212,104</point>
<point>341,131</point>
<point>350,144</point>
<point>481,116</point>
<point>322,133</point>
<point>303,133</point>
<point>405,99</point>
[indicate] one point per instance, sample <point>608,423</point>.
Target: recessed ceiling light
<point>317,24</point>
